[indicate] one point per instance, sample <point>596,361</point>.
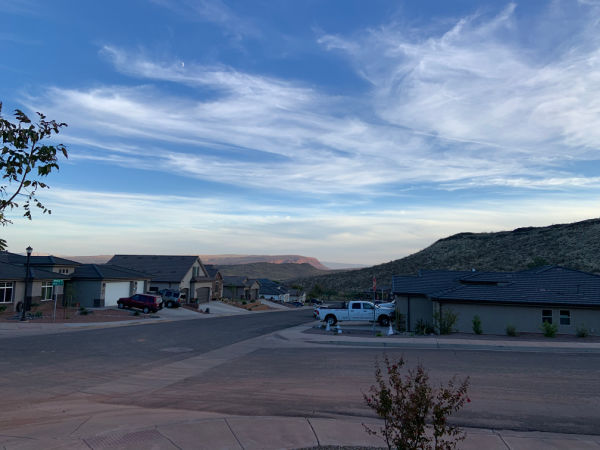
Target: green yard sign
<point>57,282</point>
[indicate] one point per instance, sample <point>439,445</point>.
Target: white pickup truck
<point>356,311</point>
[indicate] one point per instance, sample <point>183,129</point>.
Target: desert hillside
<point>575,245</point>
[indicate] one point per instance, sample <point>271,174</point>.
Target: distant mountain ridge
<point>221,260</point>
<point>574,245</point>
<point>226,260</point>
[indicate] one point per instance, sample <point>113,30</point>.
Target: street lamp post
<point>27,299</point>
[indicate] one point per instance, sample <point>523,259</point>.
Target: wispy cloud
<point>191,225</point>
<point>475,82</point>
<point>214,11</point>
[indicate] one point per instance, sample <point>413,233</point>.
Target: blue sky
<point>351,131</point>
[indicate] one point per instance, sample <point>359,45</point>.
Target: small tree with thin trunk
<point>24,159</point>
<point>410,407</point>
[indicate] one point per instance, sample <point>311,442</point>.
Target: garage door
<point>114,291</point>
<point>203,294</point>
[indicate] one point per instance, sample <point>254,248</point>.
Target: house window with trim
<point>46,290</point>
<point>565,317</point>
<point>6,292</point>
<point>195,271</point>
<point>546,315</point>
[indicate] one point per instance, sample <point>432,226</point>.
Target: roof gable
<point>162,268</point>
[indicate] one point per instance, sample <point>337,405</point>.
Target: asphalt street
<point>541,391</point>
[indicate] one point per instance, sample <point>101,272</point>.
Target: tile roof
<point>107,272</point>
<point>163,268</point>
<point>550,285</point>
<point>49,260</point>
<point>234,280</point>
<point>269,287</point>
<point>428,281</point>
<point>17,272</point>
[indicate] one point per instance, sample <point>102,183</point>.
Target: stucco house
<point>100,285</point>
<point>271,290</point>
<point>185,273</point>
<point>562,296</point>
<point>217,281</point>
<point>240,288</point>
<point>43,270</point>
<point>13,285</point>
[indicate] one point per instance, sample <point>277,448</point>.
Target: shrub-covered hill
<point>278,272</point>
<point>574,245</point>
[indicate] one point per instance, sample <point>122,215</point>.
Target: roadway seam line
<point>313,430</point>
<point>502,439</point>
<point>167,438</point>
<point>234,435</point>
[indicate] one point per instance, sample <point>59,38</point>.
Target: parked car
<point>315,301</point>
<point>298,304</point>
<point>172,298</point>
<point>145,302</point>
<point>355,311</point>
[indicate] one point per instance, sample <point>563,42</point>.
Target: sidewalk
<point>361,336</point>
<point>165,429</point>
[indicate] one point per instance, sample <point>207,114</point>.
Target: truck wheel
<point>146,310</point>
<point>331,319</point>
<point>120,305</point>
<point>384,321</point>
<point>170,304</point>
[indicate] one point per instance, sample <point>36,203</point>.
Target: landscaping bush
<point>549,329</point>
<point>415,414</point>
<point>444,322</point>
<point>511,330</point>
<point>582,331</point>
<point>422,327</point>
<point>477,325</point>
<point>2,308</point>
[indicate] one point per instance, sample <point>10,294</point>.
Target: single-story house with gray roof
<point>99,285</point>
<point>565,297</point>
<point>13,287</point>
<point>184,273</point>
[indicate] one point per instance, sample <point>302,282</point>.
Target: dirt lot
<point>43,313</point>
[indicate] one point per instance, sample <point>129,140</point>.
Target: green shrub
<point>477,325</point>
<point>422,327</point>
<point>582,331</point>
<point>415,413</point>
<point>38,314</point>
<point>244,302</point>
<point>136,313</point>
<point>444,322</point>
<point>511,330</point>
<point>549,329</point>
<point>2,308</point>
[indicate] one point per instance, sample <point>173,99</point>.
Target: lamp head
<point>29,250</point>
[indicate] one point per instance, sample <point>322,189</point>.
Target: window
<point>355,305</point>
<point>367,306</point>
<point>196,271</point>
<point>46,290</point>
<point>6,292</point>
<point>565,317</point>
<point>547,315</point>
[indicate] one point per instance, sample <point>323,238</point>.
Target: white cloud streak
<point>85,222</point>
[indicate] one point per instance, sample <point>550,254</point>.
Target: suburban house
<point>185,273</point>
<point>99,285</point>
<point>41,285</point>
<point>296,295</point>
<point>561,296</point>
<point>217,281</point>
<point>240,288</point>
<point>46,278</point>
<point>271,290</point>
